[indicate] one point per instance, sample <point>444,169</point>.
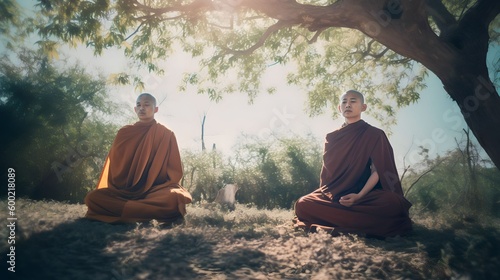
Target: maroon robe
<point>349,152</point>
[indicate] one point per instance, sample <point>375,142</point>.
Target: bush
<point>459,181</point>
<point>55,131</point>
<point>268,174</point>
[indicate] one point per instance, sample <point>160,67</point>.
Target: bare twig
<point>420,177</point>
<point>135,32</point>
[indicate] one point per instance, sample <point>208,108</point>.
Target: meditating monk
<point>360,191</point>
<point>141,175</point>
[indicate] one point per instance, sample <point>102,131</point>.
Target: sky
<point>434,121</point>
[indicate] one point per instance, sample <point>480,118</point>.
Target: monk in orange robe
<point>360,191</point>
<point>141,175</point>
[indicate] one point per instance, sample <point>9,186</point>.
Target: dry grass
<point>54,242</point>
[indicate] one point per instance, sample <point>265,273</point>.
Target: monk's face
<point>145,109</point>
<point>351,106</point>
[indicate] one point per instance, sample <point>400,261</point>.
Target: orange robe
<point>349,152</point>
<point>140,178</point>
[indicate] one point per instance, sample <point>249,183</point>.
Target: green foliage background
<point>456,182</point>
<point>56,127</point>
<point>269,173</point>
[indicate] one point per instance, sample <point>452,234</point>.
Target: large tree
<point>377,46</point>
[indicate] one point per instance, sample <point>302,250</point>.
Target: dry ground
<point>54,242</point>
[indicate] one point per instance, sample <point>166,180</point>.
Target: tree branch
<point>418,179</point>
<point>194,7</point>
<point>135,32</point>
<point>473,27</point>
<point>312,17</point>
<point>270,30</point>
<point>376,56</point>
<point>399,61</point>
<point>441,16</point>
<point>482,13</point>
<point>316,35</point>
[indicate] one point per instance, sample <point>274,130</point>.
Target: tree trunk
<point>480,106</point>
<point>467,80</point>
<point>203,148</point>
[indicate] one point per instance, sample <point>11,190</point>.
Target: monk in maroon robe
<point>360,191</point>
<point>141,176</point>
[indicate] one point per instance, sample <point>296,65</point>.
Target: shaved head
<point>148,96</point>
<point>357,93</point>
<point>145,107</point>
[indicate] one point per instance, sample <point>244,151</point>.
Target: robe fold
<point>140,179</point>
<point>348,154</point>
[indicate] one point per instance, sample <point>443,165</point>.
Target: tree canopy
<point>384,48</point>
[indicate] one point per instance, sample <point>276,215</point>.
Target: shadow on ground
<point>462,251</point>
<point>72,250</point>
<point>84,249</point>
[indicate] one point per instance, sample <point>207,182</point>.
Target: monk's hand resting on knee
<point>349,199</point>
